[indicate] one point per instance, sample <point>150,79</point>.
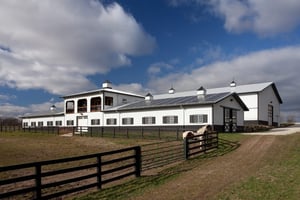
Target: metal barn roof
<point>178,101</point>
<point>239,89</point>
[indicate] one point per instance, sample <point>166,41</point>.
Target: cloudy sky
<point>52,48</point>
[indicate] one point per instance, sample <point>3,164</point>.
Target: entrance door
<point>230,120</point>
<point>82,123</point>
<point>270,115</point>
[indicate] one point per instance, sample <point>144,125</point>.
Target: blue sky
<point>52,48</point>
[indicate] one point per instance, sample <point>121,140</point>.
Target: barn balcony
<point>95,108</point>
<point>96,104</point>
<point>82,109</point>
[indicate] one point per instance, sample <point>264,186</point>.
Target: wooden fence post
<point>138,161</point>
<point>186,148</point>
<point>99,172</point>
<point>38,181</point>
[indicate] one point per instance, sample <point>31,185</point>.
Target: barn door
<point>82,123</point>
<point>270,115</point>
<point>230,120</point>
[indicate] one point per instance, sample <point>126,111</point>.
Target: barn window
<point>95,122</point>
<point>58,123</point>
<point>25,124</point>
<point>33,124</point>
<point>148,120</point>
<point>70,107</point>
<point>109,101</point>
<point>96,104</point>
<point>70,122</point>
<point>198,118</point>
<point>40,124</point>
<point>126,121</point>
<point>82,105</point>
<point>170,119</point>
<point>111,121</point>
<point>49,123</point>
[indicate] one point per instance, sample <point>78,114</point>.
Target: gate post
<point>99,172</point>
<point>38,181</point>
<point>138,161</point>
<point>186,148</point>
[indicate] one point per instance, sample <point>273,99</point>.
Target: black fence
<point>5,128</point>
<point>144,132</point>
<point>55,178</point>
<point>160,154</point>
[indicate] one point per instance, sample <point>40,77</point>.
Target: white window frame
<point>171,119</point>
<point>198,118</point>
<point>149,120</point>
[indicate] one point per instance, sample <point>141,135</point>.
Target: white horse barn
<point>226,109</point>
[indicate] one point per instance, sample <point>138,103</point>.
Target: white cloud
<point>55,43</point>
<point>278,65</point>
<point>135,88</point>
<point>11,110</point>
<point>267,17</point>
<point>157,68</point>
<point>263,17</point>
<point>6,97</point>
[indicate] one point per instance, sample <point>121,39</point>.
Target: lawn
<point>279,178</point>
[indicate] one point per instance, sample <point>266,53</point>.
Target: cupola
<point>107,85</point>
<point>171,90</point>
<point>201,93</point>
<point>233,84</point>
<point>148,97</point>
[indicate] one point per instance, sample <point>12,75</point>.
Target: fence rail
<point>144,132</point>
<point>5,128</point>
<point>45,181</point>
<point>162,153</point>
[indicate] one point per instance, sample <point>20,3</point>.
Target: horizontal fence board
<point>17,179</point>
<point>17,192</point>
<point>39,177</point>
<point>58,183</point>
<point>69,191</point>
<point>117,160</point>
<point>118,177</point>
<point>67,170</point>
<point>117,169</point>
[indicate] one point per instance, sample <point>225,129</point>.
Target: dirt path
<point>205,181</point>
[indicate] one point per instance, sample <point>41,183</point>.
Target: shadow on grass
<point>139,185</point>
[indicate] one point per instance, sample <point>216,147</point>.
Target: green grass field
<point>279,178</point>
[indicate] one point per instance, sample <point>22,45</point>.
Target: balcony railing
<point>95,108</point>
<point>82,109</point>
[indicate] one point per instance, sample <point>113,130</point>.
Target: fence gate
<point>161,153</point>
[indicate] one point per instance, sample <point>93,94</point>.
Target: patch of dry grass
<point>19,147</point>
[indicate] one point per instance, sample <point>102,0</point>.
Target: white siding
<point>44,120</point>
<point>182,113</point>
<point>229,102</point>
<point>251,101</point>
<point>268,97</point>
